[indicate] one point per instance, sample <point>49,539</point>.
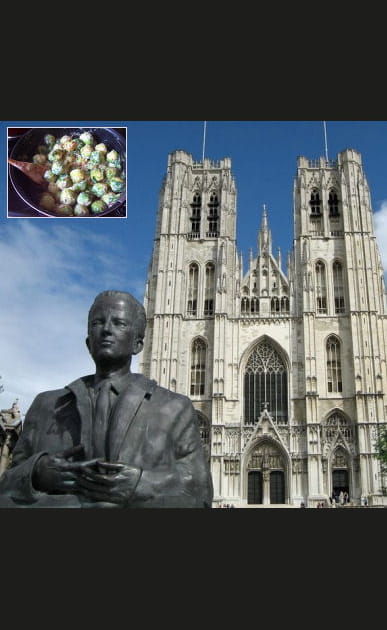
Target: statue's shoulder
<point>159,393</point>
<point>50,396</point>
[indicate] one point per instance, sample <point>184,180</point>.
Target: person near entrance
<point>113,439</point>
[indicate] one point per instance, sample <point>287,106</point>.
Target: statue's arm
<point>188,482</point>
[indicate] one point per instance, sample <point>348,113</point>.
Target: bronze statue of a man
<point>112,439</point>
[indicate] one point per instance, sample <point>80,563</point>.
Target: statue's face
<point>112,332</point>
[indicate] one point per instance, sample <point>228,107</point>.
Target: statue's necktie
<point>101,418</point>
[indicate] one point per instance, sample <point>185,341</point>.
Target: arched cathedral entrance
<point>340,473</point>
<point>266,475</point>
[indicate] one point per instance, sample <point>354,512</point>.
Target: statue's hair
<point>136,308</point>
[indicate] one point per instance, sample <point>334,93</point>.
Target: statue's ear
<point>138,345</point>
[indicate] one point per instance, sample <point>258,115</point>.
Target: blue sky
<point>53,268</point>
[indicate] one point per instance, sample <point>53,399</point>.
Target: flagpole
<point>204,138</point>
<point>326,143</point>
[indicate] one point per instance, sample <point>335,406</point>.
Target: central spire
<point>264,235</point>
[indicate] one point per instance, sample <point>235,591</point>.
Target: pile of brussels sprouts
<point>84,177</point>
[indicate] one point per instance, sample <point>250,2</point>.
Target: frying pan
<point>26,147</point>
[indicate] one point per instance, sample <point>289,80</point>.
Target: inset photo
<point>66,172</point>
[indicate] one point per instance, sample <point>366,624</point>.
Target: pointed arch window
<point>196,209</point>
<point>204,428</point>
<point>315,202</point>
<point>209,290</point>
<point>245,305</point>
<point>265,384</point>
<point>333,203</point>
<point>198,367</point>
<point>213,216</point>
<point>275,305</point>
<point>337,422</point>
<point>285,305</point>
<point>321,288</point>
<point>333,350</point>
<point>192,297</point>
<point>338,287</point>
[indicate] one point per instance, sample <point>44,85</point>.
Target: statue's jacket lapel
<point>128,426</point>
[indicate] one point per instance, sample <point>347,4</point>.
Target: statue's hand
<point>105,481</point>
<point>57,473</point>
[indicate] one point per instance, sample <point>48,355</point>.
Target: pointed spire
<point>279,257</point>
<point>264,218</point>
<point>264,235</point>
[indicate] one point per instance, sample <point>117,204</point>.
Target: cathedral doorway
<point>340,473</point>
<point>266,475</point>
<point>254,489</point>
<point>340,482</point>
<point>277,486</point>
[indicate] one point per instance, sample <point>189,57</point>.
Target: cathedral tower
<point>286,371</point>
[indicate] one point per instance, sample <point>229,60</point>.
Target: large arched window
<point>338,287</point>
<point>334,365</point>
<point>213,216</point>
<point>198,367</point>
<point>321,288</point>
<point>204,428</point>
<point>209,290</point>
<point>265,384</point>
<point>196,207</point>
<point>333,203</point>
<point>315,202</point>
<point>192,293</point>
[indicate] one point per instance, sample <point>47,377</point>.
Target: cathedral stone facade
<point>287,371</point>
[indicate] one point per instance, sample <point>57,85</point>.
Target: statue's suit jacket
<point>152,429</point>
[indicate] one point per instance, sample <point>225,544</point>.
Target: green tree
<point>381,449</point>
<point>381,454</point>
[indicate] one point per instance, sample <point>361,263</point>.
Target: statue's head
<point>116,327</point>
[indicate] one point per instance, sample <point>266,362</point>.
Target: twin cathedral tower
<point>287,371</point>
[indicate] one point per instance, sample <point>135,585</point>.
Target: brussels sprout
<point>58,168</point>
<point>86,151</point>
<point>47,201</point>
<point>77,175</point>
<point>86,137</point>
<point>39,158</point>
<point>96,175</point>
<point>84,198</point>
<point>63,181</point>
<point>79,144</point>
<point>101,147</point>
<point>99,189</point>
<point>110,198</point>
<point>70,159</point>
<point>68,196</point>
<point>112,156</point>
<point>97,157</point>
<point>70,145</point>
<point>64,139</point>
<point>80,210</point>
<point>49,176</point>
<point>111,171</point>
<point>80,186</point>
<point>55,155</point>
<point>43,149</point>
<point>49,139</point>
<point>117,184</point>
<point>98,206</point>
<point>54,190</point>
<point>64,208</point>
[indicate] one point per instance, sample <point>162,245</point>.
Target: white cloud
<point>50,276</point>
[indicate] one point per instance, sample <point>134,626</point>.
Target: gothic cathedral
<point>287,372</point>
